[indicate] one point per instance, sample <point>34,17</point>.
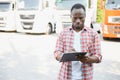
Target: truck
<point>7,15</point>
<point>111,24</point>
<point>34,16</point>
<point>63,13</point>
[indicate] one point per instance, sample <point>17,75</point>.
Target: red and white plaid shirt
<point>89,42</point>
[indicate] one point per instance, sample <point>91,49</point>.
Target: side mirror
<point>13,6</point>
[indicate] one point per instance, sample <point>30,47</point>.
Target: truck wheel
<point>91,25</point>
<point>98,32</point>
<point>49,29</point>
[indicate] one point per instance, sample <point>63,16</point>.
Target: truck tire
<point>49,29</point>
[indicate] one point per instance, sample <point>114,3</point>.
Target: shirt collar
<point>84,29</point>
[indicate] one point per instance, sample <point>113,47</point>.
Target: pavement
<point>107,70</point>
<point>30,57</point>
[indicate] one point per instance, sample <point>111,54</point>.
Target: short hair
<point>78,6</point>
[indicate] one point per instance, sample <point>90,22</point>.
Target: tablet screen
<point>71,56</point>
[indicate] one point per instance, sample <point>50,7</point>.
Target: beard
<point>78,27</point>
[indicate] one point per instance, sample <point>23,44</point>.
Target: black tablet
<point>71,56</point>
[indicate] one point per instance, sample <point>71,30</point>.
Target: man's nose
<point>78,21</point>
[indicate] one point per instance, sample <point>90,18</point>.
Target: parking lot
<point>30,57</point>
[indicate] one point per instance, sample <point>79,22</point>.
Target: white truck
<point>63,13</point>
<point>34,16</point>
<point>7,15</point>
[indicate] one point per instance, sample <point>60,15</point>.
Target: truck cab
<point>34,16</point>
<point>63,13</point>
<point>7,15</point>
<point>111,25</point>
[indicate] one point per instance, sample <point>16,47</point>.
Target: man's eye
<point>81,18</point>
<point>78,18</point>
<point>75,18</point>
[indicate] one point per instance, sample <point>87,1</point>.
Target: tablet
<point>71,56</point>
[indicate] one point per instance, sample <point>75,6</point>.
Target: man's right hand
<point>71,50</point>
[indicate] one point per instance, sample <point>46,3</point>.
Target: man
<point>78,38</point>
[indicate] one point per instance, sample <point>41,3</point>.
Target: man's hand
<point>71,50</point>
<point>88,59</point>
<point>60,53</point>
<point>83,59</point>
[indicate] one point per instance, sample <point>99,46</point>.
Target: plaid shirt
<point>89,42</point>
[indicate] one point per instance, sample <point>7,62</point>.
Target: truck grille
<point>115,29</point>
<point>1,18</point>
<point>27,25</point>
<point>27,16</point>
<point>2,22</point>
<point>114,19</point>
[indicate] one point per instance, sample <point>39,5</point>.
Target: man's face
<point>78,18</point>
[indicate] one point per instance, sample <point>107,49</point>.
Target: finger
<point>72,49</point>
<point>84,60</point>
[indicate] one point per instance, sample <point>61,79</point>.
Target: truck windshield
<point>28,4</point>
<point>4,6</point>
<point>112,4</point>
<point>67,4</point>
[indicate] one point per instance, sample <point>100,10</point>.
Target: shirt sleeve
<point>97,47</point>
<point>59,49</point>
